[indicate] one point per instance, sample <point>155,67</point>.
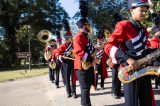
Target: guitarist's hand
<point>132,63</point>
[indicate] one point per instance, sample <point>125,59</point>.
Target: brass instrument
<point>91,34</point>
<point>44,36</point>
<point>110,63</point>
<point>52,64</point>
<point>70,58</point>
<point>107,34</point>
<point>125,77</point>
<point>98,61</point>
<point>127,74</point>
<point>85,64</point>
<point>47,55</point>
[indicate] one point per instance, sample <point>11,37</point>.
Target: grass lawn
<point>10,75</point>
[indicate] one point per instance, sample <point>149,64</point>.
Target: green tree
<point>17,15</point>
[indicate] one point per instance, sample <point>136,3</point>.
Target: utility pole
<point>29,36</point>
<point>29,45</point>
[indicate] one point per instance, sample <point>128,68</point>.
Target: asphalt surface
<point>39,91</point>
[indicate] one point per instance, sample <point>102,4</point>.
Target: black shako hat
<point>81,22</point>
<point>67,35</point>
<point>52,40</point>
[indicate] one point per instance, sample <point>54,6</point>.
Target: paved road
<point>39,91</point>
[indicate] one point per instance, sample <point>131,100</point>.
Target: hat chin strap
<point>87,30</point>
<point>84,31</point>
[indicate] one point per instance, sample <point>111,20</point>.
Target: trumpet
<point>44,36</point>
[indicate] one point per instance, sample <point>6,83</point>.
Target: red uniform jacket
<point>104,66</point>
<point>126,42</point>
<point>50,48</point>
<point>79,44</point>
<point>54,54</point>
<point>62,49</point>
<point>60,52</point>
<point>155,42</point>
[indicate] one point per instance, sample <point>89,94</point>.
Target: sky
<point>71,6</point>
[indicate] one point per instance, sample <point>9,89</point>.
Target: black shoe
<point>159,87</point>
<point>156,87</point>
<point>57,86</point>
<point>69,95</point>
<point>115,96</point>
<point>121,94</point>
<point>102,88</point>
<point>74,96</point>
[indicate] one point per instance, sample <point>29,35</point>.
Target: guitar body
<point>126,76</point>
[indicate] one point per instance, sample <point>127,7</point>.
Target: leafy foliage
<point>17,15</point>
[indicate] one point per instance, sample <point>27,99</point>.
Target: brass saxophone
<point>85,64</point>
<point>127,74</point>
<point>52,64</point>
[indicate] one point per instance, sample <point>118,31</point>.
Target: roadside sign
<point>23,54</point>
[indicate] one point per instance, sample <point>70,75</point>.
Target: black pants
<point>51,74</point>
<point>57,70</point>
<point>157,78</point>
<point>63,75</point>
<point>138,92</point>
<point>68,70</point>
<point>86,79</point>
<point>99,70</point>
<point>116,83</point>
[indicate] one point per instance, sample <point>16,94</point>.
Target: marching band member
<point>59,41</point>
<point>48,51</point>
<point>125,46</point>
<point>101,67</point>
<point>65,56</point>
<point>116,83</point>
<point>58,65</point>
<point>155,43</point>
<point>83,49</point>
